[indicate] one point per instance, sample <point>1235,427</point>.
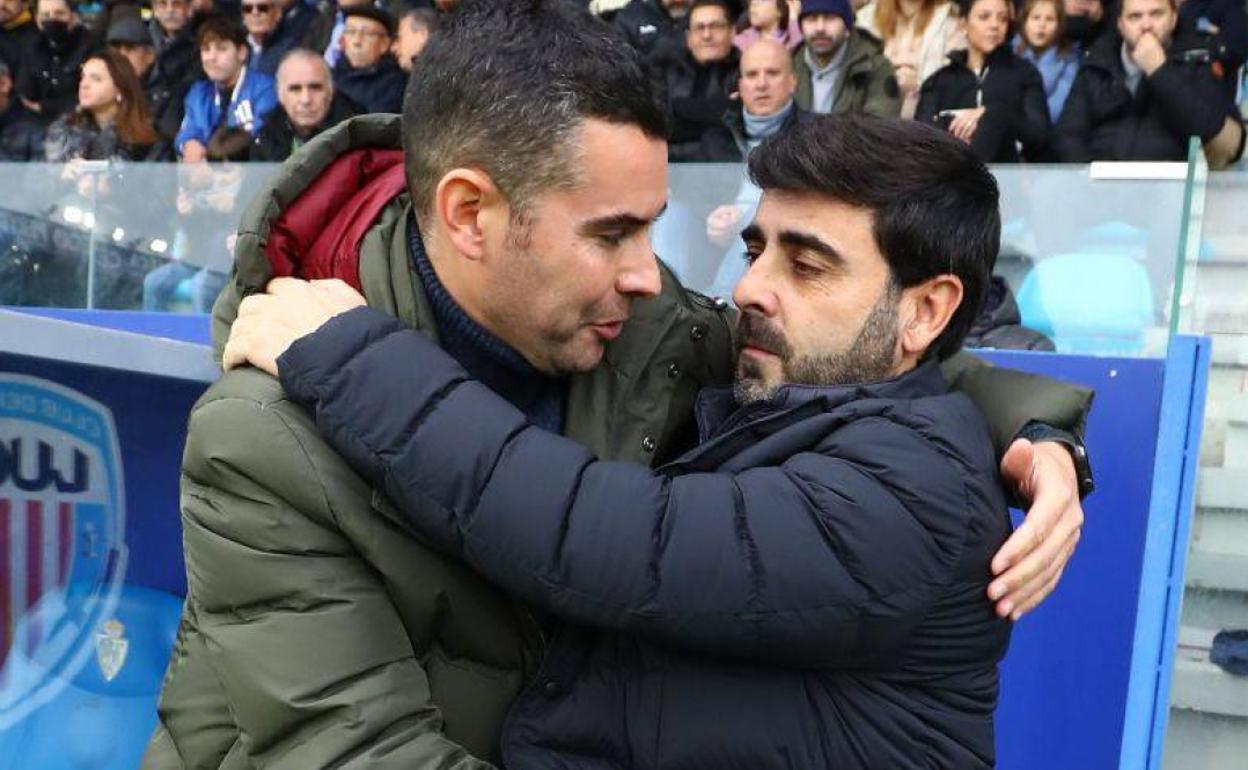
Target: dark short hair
<point>505,85</point>
<point>720,4</point>
<point>220,27</point>
<point>935,206</point>
<point>425,18</point>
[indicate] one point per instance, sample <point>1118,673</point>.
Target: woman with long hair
<point>918,36</point>
<point>1042,42</point>
<point>111,120</point>
<point>776,19</point>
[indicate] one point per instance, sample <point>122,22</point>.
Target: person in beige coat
<point>917,36</point>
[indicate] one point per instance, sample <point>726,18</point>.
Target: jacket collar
<point>720,417</point>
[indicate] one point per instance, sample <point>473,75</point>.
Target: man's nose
<point>640,276</point>
<point>754,290</point>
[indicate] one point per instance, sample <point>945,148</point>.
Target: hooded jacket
<point>1103,120</point>
<point>805,588</point>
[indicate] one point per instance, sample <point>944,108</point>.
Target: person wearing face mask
<point>1139,96</point>
<point>17,33</point>
<point>48,84</point>
<point>1084,22</point>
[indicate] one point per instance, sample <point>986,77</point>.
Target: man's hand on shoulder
<point>1029,565</point>
<point>268,324</point>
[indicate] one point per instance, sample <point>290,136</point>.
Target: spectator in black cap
<point>21,135</point>
<point>840,69</point>
<point>48,83</point>
<point>367,74</point>
<point>17,33</point>
<point>307,105</point>
<point>132,39</point>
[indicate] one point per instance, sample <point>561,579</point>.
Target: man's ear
<point>466,205</point>
<point>929,308</point>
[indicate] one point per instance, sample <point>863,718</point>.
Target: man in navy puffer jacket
<point>836,521</point>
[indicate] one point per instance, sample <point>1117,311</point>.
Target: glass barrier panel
<point>120,236</point>
<point>1088,252</point>
<point>1208,727</point>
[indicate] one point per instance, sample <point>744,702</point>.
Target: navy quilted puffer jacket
<point>805,589</point>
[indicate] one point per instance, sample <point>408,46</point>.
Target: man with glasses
<point>700,76</point>
<point>367,74</point>
<point>273,29</point>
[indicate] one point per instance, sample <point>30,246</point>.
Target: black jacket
<point>276,140</point>
<point>646,24</point>
<point>288,35</point>
<point>378,88</point>
<point>175,70</point>
<point>21,134</point>
<point>15,45</point>
<point>50,76</point>
<point>1103,121</point>
<point>727,142</point>
<point>1012,94</point>
<point>1228,49</point>
<point>1000,325</point>
<point>697,95</point>
<point>839,536</point>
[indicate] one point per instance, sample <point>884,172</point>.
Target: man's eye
<point>806,269</point>
<point>611,239</point>
<point>751,256</point>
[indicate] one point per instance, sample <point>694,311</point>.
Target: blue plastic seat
<point>1089,302</point>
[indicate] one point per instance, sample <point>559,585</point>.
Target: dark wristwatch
<point>1038,431</point>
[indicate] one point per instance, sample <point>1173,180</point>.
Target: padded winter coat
<point>803,589</point>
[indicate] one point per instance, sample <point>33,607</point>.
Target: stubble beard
<point>869,358</point>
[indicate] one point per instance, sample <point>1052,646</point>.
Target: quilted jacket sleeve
<point>827,559</point>
<point>300,632</point>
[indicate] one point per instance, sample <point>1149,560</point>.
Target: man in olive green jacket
<point>317,631</point>
<point>840,68</point>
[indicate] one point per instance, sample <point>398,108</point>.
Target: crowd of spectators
<point>1050,80</point>
<point>252,80</point>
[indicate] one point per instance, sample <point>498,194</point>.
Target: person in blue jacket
<point>836,522</point>
<point>232,97</point>
<point>1041,40</point>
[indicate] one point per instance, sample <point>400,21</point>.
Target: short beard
<point>869,358</point>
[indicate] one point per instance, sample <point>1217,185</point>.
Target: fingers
<point>1048,580</point>
<point>1026,584</point>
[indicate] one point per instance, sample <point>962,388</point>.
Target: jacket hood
<point>309,219</point>
<point>1000,309</point>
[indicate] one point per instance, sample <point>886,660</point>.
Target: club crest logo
<point>62,548</point>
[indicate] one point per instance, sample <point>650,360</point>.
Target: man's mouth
<point>608,330</point>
